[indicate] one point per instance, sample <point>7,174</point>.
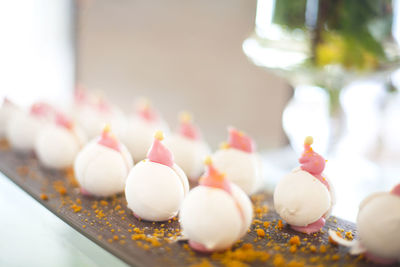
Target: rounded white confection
<point>211,216</point>
<point>332,195</point>
<point>139,136</point>
<point>241,168</point>
<point>92,120</point>
<point>301,199</point>
<point>102,171</point>
<point>378,224</point>
<point>57,147</point>
<point>245,205</point>
<point>22,131</point>
<point>155,192</point>
<point>188,154</point>
<point>7,111</point>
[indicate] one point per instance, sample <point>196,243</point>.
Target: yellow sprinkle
<point>159,135</point>
<point>309,140</point>
<point>224,145</point>
<point>143,103</point>
<point>107,128</point>
<point>185,116</point>
<point>349,235</point>
<point>208,161</point>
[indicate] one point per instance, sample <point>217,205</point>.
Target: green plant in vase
<point>325,43</point>
<point>344,39</point>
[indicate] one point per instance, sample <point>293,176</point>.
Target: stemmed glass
<point>320,46</point>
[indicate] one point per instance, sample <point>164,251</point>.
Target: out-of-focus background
<point>182,55</point>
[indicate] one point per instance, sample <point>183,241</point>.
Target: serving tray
<point>110,224</point>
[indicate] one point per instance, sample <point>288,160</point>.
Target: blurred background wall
<point>37,50</point>
<point>182,55</point>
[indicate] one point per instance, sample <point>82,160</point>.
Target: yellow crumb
<point>208,160</point>
<point>308,140</point>
<point>349,235</point>
<point>185,116</point>
<point>260,232</point>
<point>295,240</point>
<point>159,135</point>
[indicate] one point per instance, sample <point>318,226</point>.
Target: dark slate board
<point>113,231</point>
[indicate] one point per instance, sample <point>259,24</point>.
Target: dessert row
<point>130,155</point>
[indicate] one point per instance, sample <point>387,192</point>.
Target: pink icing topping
<point>199,247</point>
<point>7,101</point>
<point>64,121</point>
<point>145,111</point>
<point>311,228</point>
<point>107,139</point>
<point>213,178</point>
<point>148,114</point>
<point>80,95</point>
<point>396,190</point>
<point>41,109</point>
<point>102,105</point>
<point>159,153</point>
<point>187,128</point>
<point>240,141</point>
<point>312,162</point>
<point>85,192</point>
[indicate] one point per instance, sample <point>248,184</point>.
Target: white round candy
<point>139,136</point>
<point>241,168</point>
<point>214,218</point>
<point>154,191</point>
<point>301,199</point>
<point>57,147</point>
<point>332,195</point>
<point>102,171</point>
<point>93,120</point>
<point>378,224</point>
<point>188,154</point>
<point>22,131</point>
<point>7,111</point>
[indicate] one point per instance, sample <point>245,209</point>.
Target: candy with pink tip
<point>7,111</point>
<point>92,112</point>
<point>141,127</point>
<point>188,147</point>
<point>240,162</point>
<point>24,127</point>
<point>215,214</point>
<point>102,166</point>
<point>304,198</point>
<point>156,186</point>
<point>378,228</point>
<point>59,142</point>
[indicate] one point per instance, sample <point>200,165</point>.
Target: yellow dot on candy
<point>208,160</point>
<point>224,145</point>
<point>159,135</point>
<point>107,128</point>
<point>185,116</point>
<point>309,140</point>
<point>143,103</point>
